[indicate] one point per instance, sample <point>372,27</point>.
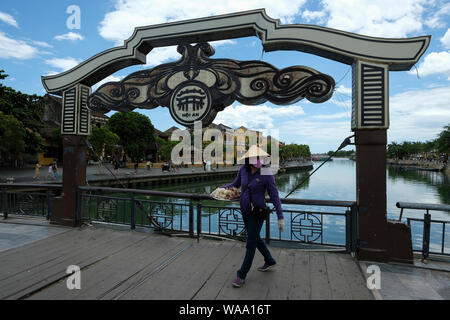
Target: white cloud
<point>42,44</point>
<point>316,132</point>
<point>380,18</point>
<point>256,117</point>
<point>445,40</point>
<point>313,15</point>
<point>63,63</point>
<point>72,36</point>
<point>332,116</point>
<point>118,25</point>
<point>107,79</point>
<point>344,90</point>
<point>165,54</point>
<point>435,19</point>
<point>8,19</point>
<point>161,55</point>
<point>434,63</point>
<point>419,115</point>
<point>17,49</point>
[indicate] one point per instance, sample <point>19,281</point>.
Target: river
<point>336,180</point>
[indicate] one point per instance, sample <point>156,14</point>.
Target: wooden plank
<point>256,284</point>
<point>417,282</point>
<point>222,275</point>
<point>102,277</point>
<point>280,279</point>
<point>43,275</point>
<point>301,280</point>
<point>27,257</point>
<point>42,245</point>
<point>320,285</point>
<point>184,276</point>
<point>24,264</point>
<point>441,283</point>
<point>355,279</point>
<point>340,289</point>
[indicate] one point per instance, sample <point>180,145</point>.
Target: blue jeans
<point>253,226</point>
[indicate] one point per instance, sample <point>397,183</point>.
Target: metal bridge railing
<point>431,229</point>
<point>198,215</point>
<point>319,222</point>
<point>27,199</point>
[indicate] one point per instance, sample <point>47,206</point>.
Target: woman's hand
<point>281,225</point>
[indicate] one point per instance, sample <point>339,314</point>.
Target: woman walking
<point>255,181</point>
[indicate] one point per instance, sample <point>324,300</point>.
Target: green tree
<point>135,131</point>
<point>12,135</point>
<point>103,138</point>
<point>294,150</point>
<point>443,141</point>
<point>28,110</point>
<point>166,149</point>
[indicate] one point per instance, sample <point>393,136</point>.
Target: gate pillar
<point>75,127</point>
<point>378,240</point>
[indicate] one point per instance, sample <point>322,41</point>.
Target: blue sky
<point>35,40</point>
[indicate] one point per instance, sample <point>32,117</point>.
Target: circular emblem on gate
<point>190,102</point>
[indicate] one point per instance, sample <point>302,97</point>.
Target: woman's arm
<point>274,197</point>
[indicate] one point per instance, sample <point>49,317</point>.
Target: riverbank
<point>420,165</point>
<point>102,176</point>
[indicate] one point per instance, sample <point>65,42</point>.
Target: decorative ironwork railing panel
<point>320,222</point>
<point>428,236</point>
<point>26,203</point>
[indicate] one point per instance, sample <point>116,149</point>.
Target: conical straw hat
<point>253,152</point>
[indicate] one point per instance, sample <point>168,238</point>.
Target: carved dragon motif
<point>226,80</point>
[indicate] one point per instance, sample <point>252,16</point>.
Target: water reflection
<point>439,181</point>
<point>336,180</point>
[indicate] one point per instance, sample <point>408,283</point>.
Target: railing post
<point>49,204</point>
<point>354,226</point>
<point>351,228</point>
<point>191,219</point>
<point>268,229</point>
<point>426,235</point>
<point>199,220</point>
<point>133,212</point>
<point>5,204</point>
<point>78,204</point>
<point>348,230</point>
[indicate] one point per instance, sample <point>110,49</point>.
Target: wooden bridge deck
<point>118,264</point>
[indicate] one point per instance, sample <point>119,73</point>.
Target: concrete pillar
<point>371,194</point>
<point>64,208</point>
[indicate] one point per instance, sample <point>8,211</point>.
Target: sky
<point>42,37</point>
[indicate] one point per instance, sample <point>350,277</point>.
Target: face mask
<point>258,164</point>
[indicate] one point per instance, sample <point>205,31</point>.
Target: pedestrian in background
<point>50,172</point>
<point>37,171</point>
<point>55,170</point>
<point>116,165</point>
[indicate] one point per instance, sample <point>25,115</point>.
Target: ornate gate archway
<point>371,60</point>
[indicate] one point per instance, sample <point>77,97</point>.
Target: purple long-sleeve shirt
<point>258,184</point>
